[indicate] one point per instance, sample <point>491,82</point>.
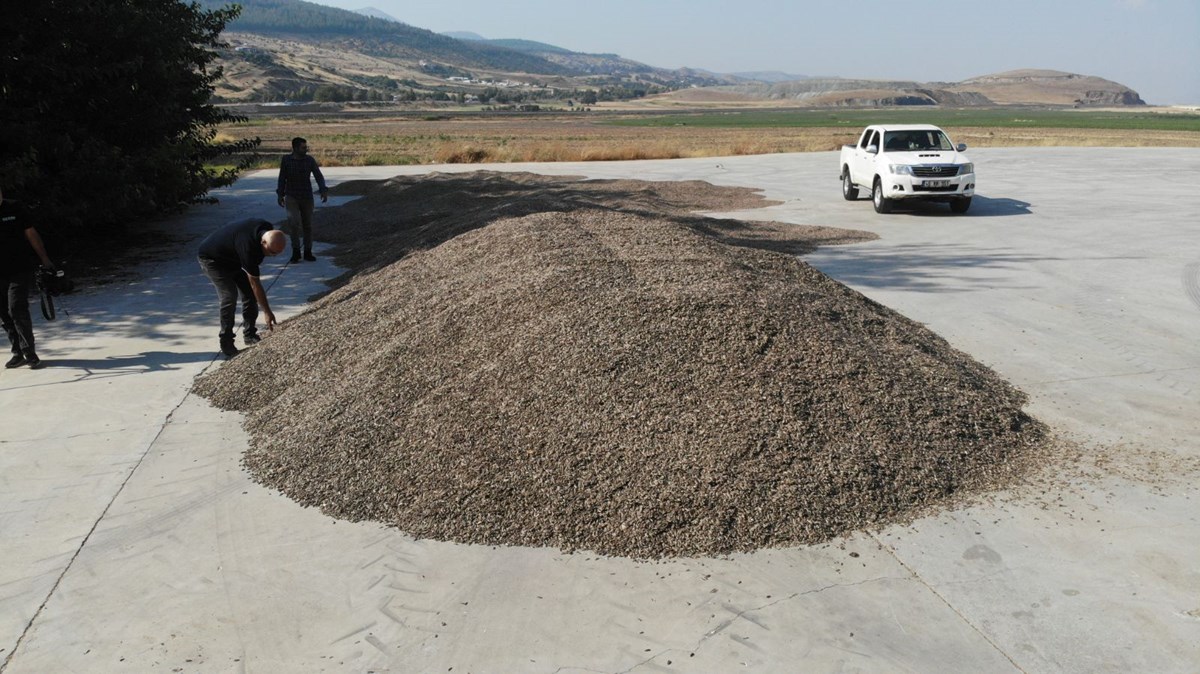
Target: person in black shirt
<point>295,194</point>
<point>18,239</point>
<point>230,257</point>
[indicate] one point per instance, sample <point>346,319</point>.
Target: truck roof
<point>905,127</point>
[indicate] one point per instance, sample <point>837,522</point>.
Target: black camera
<point>54,282</point>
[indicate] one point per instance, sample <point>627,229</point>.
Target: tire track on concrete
<point>1191,283</point>
<point>1121,338</point>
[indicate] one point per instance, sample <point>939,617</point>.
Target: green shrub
<point>106,114</point>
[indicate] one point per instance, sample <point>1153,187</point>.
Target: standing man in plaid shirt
<point>296,195</point>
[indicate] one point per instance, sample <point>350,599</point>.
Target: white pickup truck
<point>907,161</point>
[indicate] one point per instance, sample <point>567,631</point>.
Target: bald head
<point>273,242</point>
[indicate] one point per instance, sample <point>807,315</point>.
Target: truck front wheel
<point>882,203</point>
<point>849,191</point>
<point>960,205</point>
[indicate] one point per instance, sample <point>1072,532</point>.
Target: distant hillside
<point>838,92</point>
<point>530,46</point>
<point>1019,87</point>
<point>289,50</point>
<point>770,76</point>
<point>292,50</point>
<point>594,64</point>
<point>375,36</point>
<point>377,13</point>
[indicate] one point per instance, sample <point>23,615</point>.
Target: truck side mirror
<point>872,149</point>
<point>962,147</point>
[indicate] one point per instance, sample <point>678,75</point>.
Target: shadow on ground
<point>981,207</point>
<point>122,366</point>
<point>181,298</point>
<point>942,268</point>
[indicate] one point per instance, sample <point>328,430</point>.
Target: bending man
<point>230,257</point>
<point>295,194</point>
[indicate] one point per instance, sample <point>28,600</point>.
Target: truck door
<point>864,162</point>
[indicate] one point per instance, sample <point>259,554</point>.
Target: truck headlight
<point>900,169</point>
<point>964,169</point>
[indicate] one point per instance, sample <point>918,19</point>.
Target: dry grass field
<point>366,140</point>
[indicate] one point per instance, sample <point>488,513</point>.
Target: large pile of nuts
<point>612,380</point>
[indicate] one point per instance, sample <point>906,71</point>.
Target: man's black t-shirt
<point>16,255</point>
<point>237,245</point>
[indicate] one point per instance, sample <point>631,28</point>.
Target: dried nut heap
<point>615,381</point>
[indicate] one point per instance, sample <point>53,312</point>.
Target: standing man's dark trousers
<point>14,312</point>
<point>229,283</point>
<point>300,211</point>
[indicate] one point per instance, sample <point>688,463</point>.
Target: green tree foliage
<point>376,81</point>
<point>624,92</point>
<point>105,110</point>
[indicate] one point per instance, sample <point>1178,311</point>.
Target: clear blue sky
<point>1152,46</point>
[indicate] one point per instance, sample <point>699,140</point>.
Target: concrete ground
<point>131,540</point>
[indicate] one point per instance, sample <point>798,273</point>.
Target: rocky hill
<point>289,49</point>
<point>1052,87</point>
<point>1017,87</point>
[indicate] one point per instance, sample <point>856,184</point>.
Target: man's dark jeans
<point>300,212</point>
<point>229,282</point>
<point>14,313</point>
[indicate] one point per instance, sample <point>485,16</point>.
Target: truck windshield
<point>909,141</point>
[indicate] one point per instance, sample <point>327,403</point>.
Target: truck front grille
<point>940,171</point>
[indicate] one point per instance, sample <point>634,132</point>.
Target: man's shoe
<point>35,363</point>
<point>310,257</point>
<point>229,349</point>
<point>251,338</point>
<point>295,258</point>
<point>16,361</point>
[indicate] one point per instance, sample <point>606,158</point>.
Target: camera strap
<point>47,305</point>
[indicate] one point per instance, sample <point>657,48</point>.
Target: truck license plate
<point>936,183</point>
